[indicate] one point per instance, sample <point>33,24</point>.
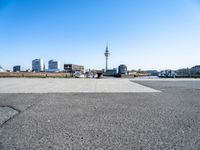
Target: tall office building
<point>53,66</point>
<point>37,65</point>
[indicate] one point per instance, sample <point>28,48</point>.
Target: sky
<point>143,34</point>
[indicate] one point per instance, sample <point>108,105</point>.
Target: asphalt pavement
<point>169,119</point>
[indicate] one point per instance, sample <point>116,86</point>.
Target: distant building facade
<point>38,65</point>
<point>1,69</point>
<point>71,68</point>
<point>122,69</point>
<point>110,72</point>
<point>195,70</point>
<point>17,68</point>
<point>183,72</point>
<point>152,72</point>
<point>53,66</point>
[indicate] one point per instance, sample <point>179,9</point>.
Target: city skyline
<point>141,34</point>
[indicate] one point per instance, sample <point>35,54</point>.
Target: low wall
<point>35,75</point>
<point>189,76</point>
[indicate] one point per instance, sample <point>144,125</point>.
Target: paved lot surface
<point>156,120</point>
<point>25,85</point>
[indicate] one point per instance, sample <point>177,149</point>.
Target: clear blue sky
<point>146,34</point>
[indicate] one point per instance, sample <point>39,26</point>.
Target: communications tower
<point>107,54</point>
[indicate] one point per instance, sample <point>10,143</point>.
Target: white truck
<point>167,74</point>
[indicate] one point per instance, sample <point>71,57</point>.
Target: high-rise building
<point>53,66</point>
<point>17,68</point>
<point>37,65</point>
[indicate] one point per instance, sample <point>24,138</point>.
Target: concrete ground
<point>49,85</point>
<point>169,119</point>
